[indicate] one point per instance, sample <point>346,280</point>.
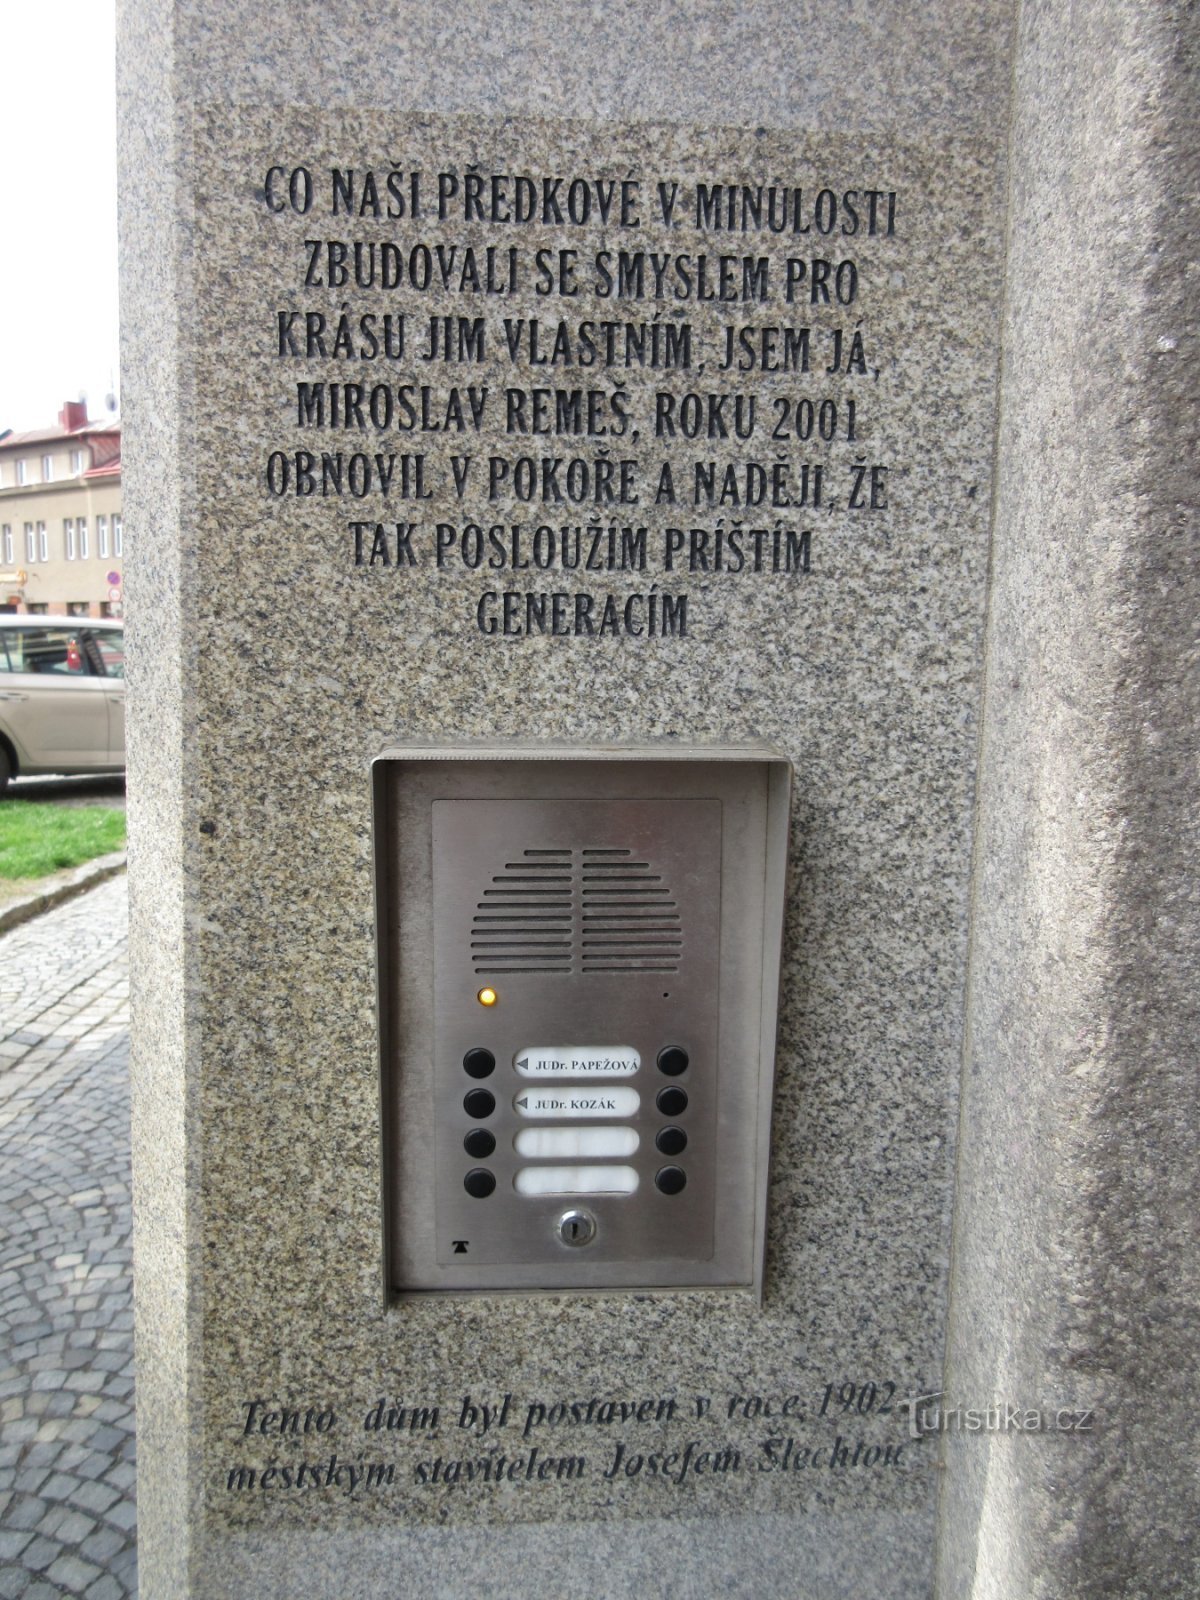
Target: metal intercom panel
<point>579,958</point>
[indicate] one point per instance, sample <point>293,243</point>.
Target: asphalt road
<point>100,791</point>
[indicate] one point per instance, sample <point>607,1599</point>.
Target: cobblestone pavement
<point>66,1318</point>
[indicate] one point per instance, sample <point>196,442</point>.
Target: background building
<point>61,538</point>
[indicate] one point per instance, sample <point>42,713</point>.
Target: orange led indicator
<point>486,997</point>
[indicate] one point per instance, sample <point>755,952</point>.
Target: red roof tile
<point>51,435</point>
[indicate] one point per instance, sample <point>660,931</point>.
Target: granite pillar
<point>900,476</point>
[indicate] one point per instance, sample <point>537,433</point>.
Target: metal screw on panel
<point>577,1227</point>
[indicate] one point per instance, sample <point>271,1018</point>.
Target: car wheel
<point>6,771</point>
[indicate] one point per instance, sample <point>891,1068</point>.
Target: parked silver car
<point>62,695</point>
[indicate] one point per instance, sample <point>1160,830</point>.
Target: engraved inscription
<point>540,376</point>
<point>633,1442</point>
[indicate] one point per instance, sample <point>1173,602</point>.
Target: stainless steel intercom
<point>578,985</point>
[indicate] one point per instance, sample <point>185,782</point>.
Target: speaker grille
<point>597,909</point>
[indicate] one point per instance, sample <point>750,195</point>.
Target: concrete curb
<point>82,879</point>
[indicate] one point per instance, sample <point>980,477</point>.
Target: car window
<point>108,649</point>
<point>57,651</point>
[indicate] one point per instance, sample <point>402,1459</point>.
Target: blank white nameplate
<point>578,1061</point>
<point>568,1144</point>
<point>576,1180</point>
<point>614,1102</point>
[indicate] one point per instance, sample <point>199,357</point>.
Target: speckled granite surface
<point>272,668</point>
<point>1075,1261</point>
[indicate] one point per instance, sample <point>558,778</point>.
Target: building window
<point>118,540</point>
<point>22,471</point>
<point>82,529</point>
<point>77,608</point>
<point>10,554</point>
<point>43,539</point>
<point>78,462</point>
<point>36,608</point>
<point>47,469</point>
<point>102,537</point>
<point>30,543</point>
<point>69,538</point>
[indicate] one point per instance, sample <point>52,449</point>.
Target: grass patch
<point>36,840</point>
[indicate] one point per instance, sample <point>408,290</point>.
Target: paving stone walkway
<point>67,1515</point>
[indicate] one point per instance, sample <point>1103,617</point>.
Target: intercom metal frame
<point>712,1236</point>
